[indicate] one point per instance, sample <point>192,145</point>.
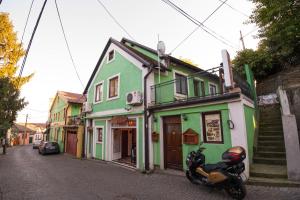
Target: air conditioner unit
<point>134,98</point>
<point>87,107</point>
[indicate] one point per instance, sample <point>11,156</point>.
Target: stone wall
<point>290,81</point>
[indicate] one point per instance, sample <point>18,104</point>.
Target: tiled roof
<point>21,128</point>
<point>72,97</point>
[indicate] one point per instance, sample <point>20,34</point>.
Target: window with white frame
<point>212,89</point>
<point>99,134</point>
<point>99,92</point>
<point>113,87</point>
<point>181,84</point>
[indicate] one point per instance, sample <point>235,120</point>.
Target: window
<point>212,127</point>
<point>99,134</point>
<point>99,92</point>
<point>212,89</point>
<point>181,84</point>
<point>113,87</point>
<point>111,55</point>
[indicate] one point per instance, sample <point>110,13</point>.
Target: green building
<point>65,125</point>
<point>149,115</point>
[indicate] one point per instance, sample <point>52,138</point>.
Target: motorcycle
<point>223,175</point>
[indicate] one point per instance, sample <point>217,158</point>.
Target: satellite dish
<point>161,48</point>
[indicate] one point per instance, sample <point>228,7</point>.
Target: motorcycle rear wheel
<point>236,189</point>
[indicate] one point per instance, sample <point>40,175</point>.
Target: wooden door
<point>71,143</point>
<point>173,142</point>
<point>124,143</point>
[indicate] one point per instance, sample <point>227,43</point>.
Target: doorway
<point>71,147</point>
<point>124,146</point>
<point>172,142</point>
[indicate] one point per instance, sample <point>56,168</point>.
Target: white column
<point>239,132</point>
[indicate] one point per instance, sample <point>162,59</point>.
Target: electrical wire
<point>30,41</point>
<point>115,20</point>
<point>256,28</point>
<point>199,25</point>
<point>67,44</point>
<point>242,13</point>
<point>27,21</point>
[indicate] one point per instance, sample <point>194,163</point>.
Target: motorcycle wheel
<point>189,176</point>
<point>236,189</point>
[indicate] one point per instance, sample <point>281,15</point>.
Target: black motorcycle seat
<point>211,167</point>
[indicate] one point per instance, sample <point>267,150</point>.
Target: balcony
<point>192,88</point>
<point>73,120</point>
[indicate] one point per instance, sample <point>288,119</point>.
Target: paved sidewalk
<point>24,174</point>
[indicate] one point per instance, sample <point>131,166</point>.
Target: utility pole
<point>242,40</point>
<point>25,134</point>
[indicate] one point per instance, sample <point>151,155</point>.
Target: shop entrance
<point>124,145</point>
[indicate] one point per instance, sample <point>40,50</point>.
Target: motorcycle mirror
<point>201,143</point>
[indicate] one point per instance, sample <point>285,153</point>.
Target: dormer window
<point>111,56</point>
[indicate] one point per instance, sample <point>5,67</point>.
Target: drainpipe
<point>146,117</point>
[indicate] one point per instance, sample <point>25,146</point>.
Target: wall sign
<point>212,127</point>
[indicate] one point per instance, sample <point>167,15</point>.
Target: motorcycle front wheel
<point>236,189</point>
<point>190,177</point>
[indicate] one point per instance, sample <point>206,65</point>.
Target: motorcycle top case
<point>234,155</point>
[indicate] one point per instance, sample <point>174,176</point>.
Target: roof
<point>21,128</point>
<point>144,59</point>
<point>173,60</point>
<point>72,97</point>
<point>69,97</point>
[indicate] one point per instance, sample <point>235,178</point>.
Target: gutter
<point>146,118</point>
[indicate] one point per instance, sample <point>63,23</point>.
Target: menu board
<point>212,127</point>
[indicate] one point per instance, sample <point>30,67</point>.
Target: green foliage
<point>279,34</point>
<point>10,52</point>
<point>279,23</point>
<point>10,103</point>
<point>259,61</point>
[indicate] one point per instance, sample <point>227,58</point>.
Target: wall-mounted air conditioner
<point>134,98</point>
<point>86,107</point>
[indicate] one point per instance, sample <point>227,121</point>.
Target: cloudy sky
<point>88,27</point>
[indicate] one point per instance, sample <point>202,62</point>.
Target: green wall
<point>250,127</point>
<point>130,80</point>
<point>213,152</point>
<point>99,145</point>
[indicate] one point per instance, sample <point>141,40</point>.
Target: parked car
<point>36,144</point>
<point>48,148</point>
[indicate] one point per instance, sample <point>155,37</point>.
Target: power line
<point>115,20</point>
<point>30,41</point>
<point>242,13</point>
<point>199,25</point>
<point>67,44</point>
<point>27,21</point>
<point>250,32</point>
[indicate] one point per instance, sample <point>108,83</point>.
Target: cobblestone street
<point>24,174</point>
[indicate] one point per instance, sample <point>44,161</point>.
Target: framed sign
<point>212,127</point>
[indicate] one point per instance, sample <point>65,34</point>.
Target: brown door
<point>124,143</point>
<point>71,142</point>
<point>173,142</point>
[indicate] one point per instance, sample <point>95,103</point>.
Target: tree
<point>10,52</point>
<point>187,60</point>
<point>279,23</point>
<point>10,104</point>
<point>279,34</point>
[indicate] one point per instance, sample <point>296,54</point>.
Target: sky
<point>88,28</point>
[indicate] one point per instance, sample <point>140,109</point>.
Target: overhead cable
<point>31,39</point>
<point>26,21</point>
<point>67,44</point>
<point>237,10</point>
<point>115,20</point>
<point>199,25</point>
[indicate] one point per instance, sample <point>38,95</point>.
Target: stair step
<point>271,148</point>
<point>278,182</point>
<point>270,132</point>
<point>270,154</point>
<point>271,123</point>
<point>271,143</point>
<point>270,138</point>
<point>271,161</point>
<point>271,128</point>
<point>268,171</point>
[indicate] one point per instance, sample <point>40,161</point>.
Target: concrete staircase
<point>269,161</point>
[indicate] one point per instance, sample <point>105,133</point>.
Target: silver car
<point>36,144</point>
